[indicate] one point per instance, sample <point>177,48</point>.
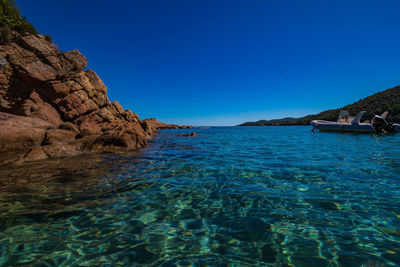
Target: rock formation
<point>188,134</point>
<point>51,106</point>
<point>160,125</point>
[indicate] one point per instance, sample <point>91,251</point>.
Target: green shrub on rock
<point>5,34</point>
<point>48,38</point>
<point>11,20</point>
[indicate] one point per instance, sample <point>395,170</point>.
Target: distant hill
<point>375,104</point>
<point>284,121</point>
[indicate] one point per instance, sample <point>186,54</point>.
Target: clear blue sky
<point>216,62</point>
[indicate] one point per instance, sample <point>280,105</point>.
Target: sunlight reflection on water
<point>230,195</point>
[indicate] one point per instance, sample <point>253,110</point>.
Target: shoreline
<point>52,105</point>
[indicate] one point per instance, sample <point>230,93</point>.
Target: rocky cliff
<point>51,106</point>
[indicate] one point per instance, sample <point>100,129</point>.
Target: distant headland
<point>388,100</point>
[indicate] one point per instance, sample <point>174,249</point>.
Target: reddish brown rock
<point>69,126</point>
<point>56,89</point>
<point>17,132</point>
<point>148,127</point>
<point>17,138</point>
<point>54,62</point>
<point>90,128</point>
<point>75,61</point>
<point>48,151</point>
<point>90,105</point>
<point>4,103</point>
<point>118,108</point>
<point>35,153</point>
<point>188,135</point>
<point>71,107</point>
<point>37,45</point>
<point>36,73</point>
<point>34,106</point>
<point>96,81</point>
<point>11,120</point>
<point>58,150</point>
<point>73,85</point>
<point>130,116</point>
<point>65,108</point>
<point>160,125</point>
<point>108,113</point>
<point>59,136</point>
<point>83,96</point>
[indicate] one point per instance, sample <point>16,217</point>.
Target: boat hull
<point>329,126</point>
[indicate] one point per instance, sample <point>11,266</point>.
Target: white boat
<point>345,123</point>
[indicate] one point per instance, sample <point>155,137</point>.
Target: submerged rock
<point>188,135</point>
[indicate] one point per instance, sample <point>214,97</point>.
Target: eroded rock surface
<point>51,106</point>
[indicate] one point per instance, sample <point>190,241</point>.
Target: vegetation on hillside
<point>375,104</point>
<point>11,21</point>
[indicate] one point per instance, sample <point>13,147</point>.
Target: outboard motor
<point>381,125</point>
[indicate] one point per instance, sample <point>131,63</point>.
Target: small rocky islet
<point>50,106</point>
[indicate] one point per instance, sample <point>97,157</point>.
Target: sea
<point>229,196</point>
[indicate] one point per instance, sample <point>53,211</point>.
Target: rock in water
<point>160,125</point>
<point>51,106</point>
<point>188,135</point>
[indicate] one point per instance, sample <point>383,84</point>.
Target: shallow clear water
<point>231,195</point>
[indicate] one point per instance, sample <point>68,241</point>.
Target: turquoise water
<point>231,196</point>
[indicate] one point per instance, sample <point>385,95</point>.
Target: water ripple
<point>243,196</point>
